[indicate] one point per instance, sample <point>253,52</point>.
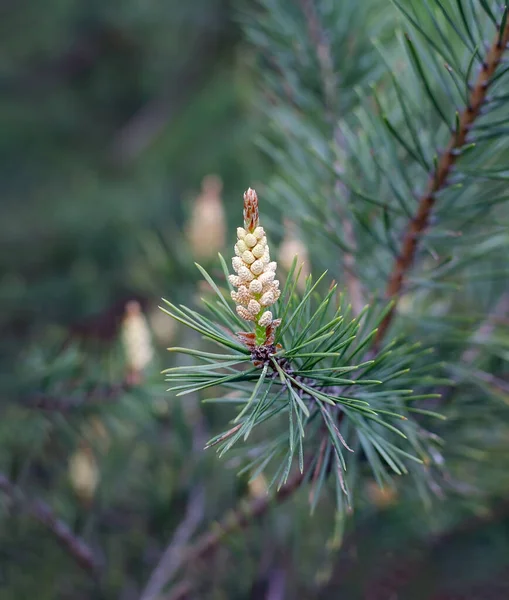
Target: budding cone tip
<point>251,215</point>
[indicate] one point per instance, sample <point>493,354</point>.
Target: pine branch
<point>105,394</point>
<point>323,53</point>
<point>324,56</point>
<point>486,329</point>
<point>181,591</point>
<point>353,282</point>
<point>75,546</point>
<point>171,558</point>
<point>240,518</point>
<point>438,179</point>
<point>473,350</point>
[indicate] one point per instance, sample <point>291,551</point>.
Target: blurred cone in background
<point>162,328</point>
<point>292,246</point>
<point>206,230</point>
<point>381,497</point>
<point>84,474</point>
<point>258,486</point>
<point>137,341</point>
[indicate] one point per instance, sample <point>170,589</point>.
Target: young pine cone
<point>257,288</point>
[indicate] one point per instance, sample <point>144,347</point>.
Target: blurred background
<point>125,127</point>
<point>112,114</point>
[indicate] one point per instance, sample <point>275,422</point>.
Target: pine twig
<point>324,56</point>
<point>62,403</point>
<point>182,591</point>
<point>472,352</point>
<point>438,178</point>
<point>330,88</point>
<point>486,329</point>
<point>169,562</point>
<point>353,282</point>
<point>170,559</point>
<point>40,511</point>
<point>277,584</point>
<point>240,518</point>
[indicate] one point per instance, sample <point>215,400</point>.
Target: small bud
<point>255,287</point>
<point>244,313</point>
<point>248,257</point>
<point>259,233</point>
<point>266,319</point>
<point>244,295</point>
<point>245,274</point>
<point>257,267</point>
<point>267,299</point>
<point>258,251</point>
<point>241,247</point>
<point>254,307</point>
<point>250,240</point>
<point>267,277</point>
<point>241,233</point>
<point>237,263</point>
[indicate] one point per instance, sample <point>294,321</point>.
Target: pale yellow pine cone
<point>84,473</point>
<point>258,487</point>
<point>136,337</point>
<point>255,280</point>
<point>206,231</point>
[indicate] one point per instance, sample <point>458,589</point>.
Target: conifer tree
<point>368,374</point>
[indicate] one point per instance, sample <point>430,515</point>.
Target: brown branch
<point>438,179</point>
<point>170,559</point>
<point>182,591</point>
<point>239,519</point>
<point>40,511</point>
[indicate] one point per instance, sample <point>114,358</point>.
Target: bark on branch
<point>240,518</point>
<point>438,179</point>
<point>75,546</point>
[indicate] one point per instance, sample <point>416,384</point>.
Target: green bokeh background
<point>111,115</point>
